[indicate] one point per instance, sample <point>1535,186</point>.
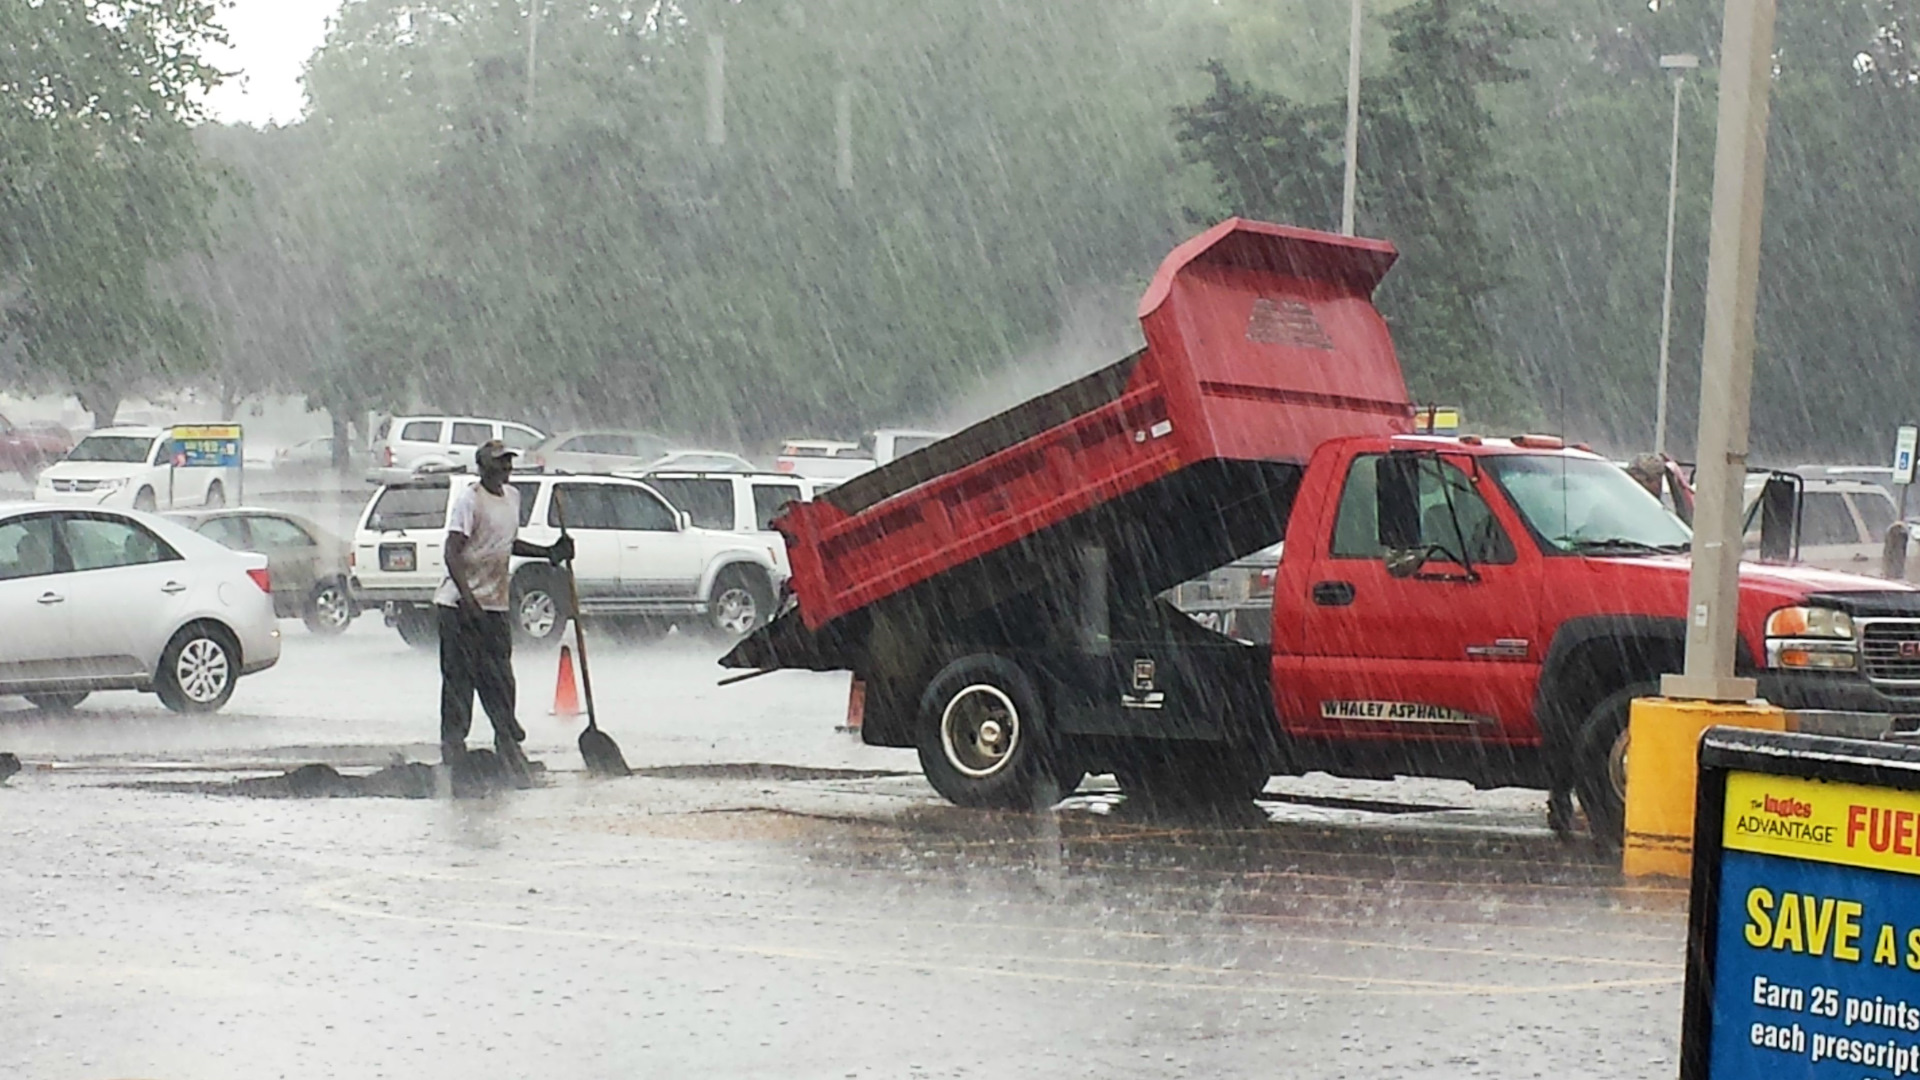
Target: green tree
<point>100,184</point>
<point>1427,158</point>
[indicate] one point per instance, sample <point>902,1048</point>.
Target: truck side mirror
<point>1780,518</point>
<point>1397,511</point>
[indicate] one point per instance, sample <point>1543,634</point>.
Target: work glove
<point>561,551</point>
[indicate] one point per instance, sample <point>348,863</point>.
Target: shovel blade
<point>602,754</point>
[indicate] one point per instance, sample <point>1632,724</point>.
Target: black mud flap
<point>786,642</point>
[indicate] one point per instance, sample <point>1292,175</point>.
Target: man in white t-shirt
<point>476,637</point>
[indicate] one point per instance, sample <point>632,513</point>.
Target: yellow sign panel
<point>207,432</point>
<point>1843,824</point>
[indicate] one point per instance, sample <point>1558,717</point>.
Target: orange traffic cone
<point>566,693</point>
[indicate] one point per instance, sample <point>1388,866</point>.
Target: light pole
<point>1676,63</point>
<point>1353,123</point>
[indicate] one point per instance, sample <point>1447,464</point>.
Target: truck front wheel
<point>982,735</point>
<point>1600,765</point>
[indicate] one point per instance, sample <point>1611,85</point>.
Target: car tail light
<point>386,456</point>
<point>1263,582</point>
<point>261,578</point>
<point>783,465</point>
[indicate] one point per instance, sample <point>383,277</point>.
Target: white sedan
<point>118,600</point>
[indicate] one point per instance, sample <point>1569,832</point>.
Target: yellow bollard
<point>1663,739</point>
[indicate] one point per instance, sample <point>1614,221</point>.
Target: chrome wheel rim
<point>979,730</point>
<point>332,608</point>
<point>735,612</point>
<point>538,613</point>
<point>202,670</point>
<point>1617,767</point>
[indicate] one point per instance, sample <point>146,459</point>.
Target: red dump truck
<point>1467,607</point>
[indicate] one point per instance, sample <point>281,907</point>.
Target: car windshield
<point>121,449</point>
<point>1582,506</point>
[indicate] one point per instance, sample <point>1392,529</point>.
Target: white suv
<point>411,444</point>
<point>737,502</point>
<point>636,558</point>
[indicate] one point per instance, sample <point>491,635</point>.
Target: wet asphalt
<point>768,898</point>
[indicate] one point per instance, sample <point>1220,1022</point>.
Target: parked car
<point>826,459</point>
<point>638,558</point>
<point>312,580</point>
<point>736,502</point>
<point>698,461</point>
<point>411,444</point>
<point>1235,599</point>
<point>823,459</point>
<point>130,467</point>
<point>114,600</point>
<point>26,450</point>
<point>598,451</point>
<point>1843,523</point>
<point>312,456</point>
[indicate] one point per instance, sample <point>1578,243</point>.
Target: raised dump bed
<point>1262,343</point>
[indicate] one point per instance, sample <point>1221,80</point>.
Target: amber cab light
<point>1539,442</point>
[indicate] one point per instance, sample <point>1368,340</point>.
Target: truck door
<point>1448,652</point>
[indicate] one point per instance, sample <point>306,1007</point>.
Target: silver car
<point>601,451</point>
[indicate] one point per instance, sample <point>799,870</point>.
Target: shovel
<point>597,748</point>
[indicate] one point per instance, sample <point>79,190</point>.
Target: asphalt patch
<point>402,780</point>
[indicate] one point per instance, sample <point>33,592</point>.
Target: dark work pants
<point>476,654</point>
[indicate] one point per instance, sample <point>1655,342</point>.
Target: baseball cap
<point>493,450</point>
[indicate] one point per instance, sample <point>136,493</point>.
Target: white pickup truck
<point>637,559</point>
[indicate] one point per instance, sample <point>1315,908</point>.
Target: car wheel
<point>983,737</point>
<point>198,670</point>
<point>418,628</point>
<point>329,610</point>
<point>216,495</point>
<point>1600,763</point>
<point>57,703</point>
<point>540,608</point>
<point>741,600</point>
<point>145,501</point>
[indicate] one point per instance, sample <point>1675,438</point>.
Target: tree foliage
<point>100,183</point>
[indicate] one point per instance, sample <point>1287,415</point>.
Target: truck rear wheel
<point>983,738</point>
<point>1600,764</point>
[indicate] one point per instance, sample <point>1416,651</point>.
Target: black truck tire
<point>982,736</point>
<point>1600,764</point>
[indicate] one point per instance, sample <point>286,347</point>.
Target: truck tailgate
<point>1262,342</point>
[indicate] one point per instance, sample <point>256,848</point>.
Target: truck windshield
<point>1581,506</point>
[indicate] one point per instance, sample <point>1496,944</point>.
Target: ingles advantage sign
<point>1804,957</point>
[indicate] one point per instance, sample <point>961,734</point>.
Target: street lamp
<point>1676,63</point>
<point>1353,123</point>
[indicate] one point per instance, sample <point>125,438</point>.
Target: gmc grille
<point>1890,650</point>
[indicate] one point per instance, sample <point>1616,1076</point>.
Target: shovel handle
<point>573,607</point>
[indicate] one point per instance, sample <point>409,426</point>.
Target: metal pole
<point>1726,363</point>
<point>1348,193</point>
<point>1666,295</point>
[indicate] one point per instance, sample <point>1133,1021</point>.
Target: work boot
<point>513,761</point>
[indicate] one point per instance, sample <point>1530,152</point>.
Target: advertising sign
<point>1804,944</point>
<point>206,446</point>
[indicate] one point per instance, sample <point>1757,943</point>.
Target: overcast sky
<point>271,42</point>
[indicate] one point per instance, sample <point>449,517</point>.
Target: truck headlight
<point>1810,622</point>
<point>1811,639</point>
